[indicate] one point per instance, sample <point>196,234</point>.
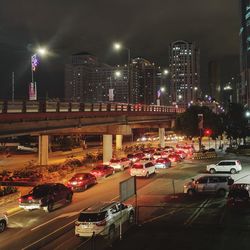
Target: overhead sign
<point>127,188</point>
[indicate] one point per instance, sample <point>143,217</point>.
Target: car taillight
<point>101,223</point>
<point>30,198</point>
<point>20,199</point>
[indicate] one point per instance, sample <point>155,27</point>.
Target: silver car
<point>217,184</point>
<point>3,222</point>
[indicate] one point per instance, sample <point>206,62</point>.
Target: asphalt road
<point>162,208</point>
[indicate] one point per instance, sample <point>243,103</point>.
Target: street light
<point>41,51</point>
<point>118,46</point>
<point>158,100</point>
<point>165,72</point>
<point>247,114</point>
<point>117,74</point>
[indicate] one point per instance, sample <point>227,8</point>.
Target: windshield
<point>91,217</point>
<point>41,190</point>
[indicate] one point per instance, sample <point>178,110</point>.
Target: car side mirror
<point>230,182</point>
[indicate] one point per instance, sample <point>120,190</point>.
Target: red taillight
<point>20,199</point>
<point>101,223</point>
<point>30,198</point>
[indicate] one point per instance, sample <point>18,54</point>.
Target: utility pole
<point>13,87</point>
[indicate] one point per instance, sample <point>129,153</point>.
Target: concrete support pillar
<point>118,142</point>
<point>107,148</point>
<point>43,149</point>
<point>161,137</point>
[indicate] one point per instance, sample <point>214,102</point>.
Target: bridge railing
<point>8,107</point>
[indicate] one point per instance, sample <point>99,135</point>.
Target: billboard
<point>32,91</point>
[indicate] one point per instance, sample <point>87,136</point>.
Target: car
<point>162,163</point>
<point>161,154</point>
<point>181,153</point>
<point>142,168</point>
<point>148,158</point>
<point>120,164</point>
<point>81,181</point>
<point>173,157</point>
<point>217,184</point>
<point>3,222</point>
<point>238,196</point>
<point>46,197</point>
<point>148,152</point>
<point>232,166</point>
<point>103,219</point>
<point>132,157</point>
<point>102,171</point>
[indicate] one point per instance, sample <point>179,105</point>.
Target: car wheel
<point>190,192</point>
<point>2,225</point>
<point>212,171</point>
<point>111,235</point>
<point>69,198</point>
<point>49,207</point>
<point>233,171</point>
<point>147,175</point>
<point>221,192</point>
<point>131,218</point>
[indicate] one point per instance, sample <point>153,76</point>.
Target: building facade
<point>184,65</point>
<point>88,80</point>
<point>245,52</point>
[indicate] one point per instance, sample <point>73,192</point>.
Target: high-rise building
<point>89,80</point>
<point>245,52</point>
<point>184,65</point>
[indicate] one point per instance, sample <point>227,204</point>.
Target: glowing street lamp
<point>165,72</point>
<point>158,100</point>
<point>118,46</point>
<point>117,74</point>
<point>41,51</point>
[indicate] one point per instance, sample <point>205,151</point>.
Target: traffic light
<point>207,132</point>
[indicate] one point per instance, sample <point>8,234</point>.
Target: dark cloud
<point>147,27</point>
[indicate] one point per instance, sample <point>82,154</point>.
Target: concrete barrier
<point>206,155</point>
<point>4,200</point>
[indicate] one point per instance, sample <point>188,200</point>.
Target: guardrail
<point>9,107</point>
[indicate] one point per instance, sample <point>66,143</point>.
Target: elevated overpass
<point>56,118</point>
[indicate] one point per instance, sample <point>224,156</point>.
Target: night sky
<point>145,26</point>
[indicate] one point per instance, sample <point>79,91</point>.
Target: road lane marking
<point>48,235</point>
<point>67,215</point>
<point>196,213</point>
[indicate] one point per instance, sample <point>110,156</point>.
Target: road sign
<point>127,188</point>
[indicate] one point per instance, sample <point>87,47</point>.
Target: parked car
<point>103,219</point>
<point>142,168</point>
<point>160,154</point>
<point>46,196</point>
<point>102,171</point>
<point>3,222</point>
<point>173,157</point>
<point>238,196</point>
<point>133,157</point>
<point>120,164</point>
<point>81,181</point>
<point>181,153</point>
<point>162,163</point>
<point>148,152</point>
<point>217,184</point>
<point>232,166</point>
<point>148,158</point>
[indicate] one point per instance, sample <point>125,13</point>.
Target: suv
<point>218,184</point>
<point>238,195</point>
<point>103,219</point>
<point>3,222</point>
<point>142,168</point>
<point>46,196</point>
<point>232,166</point>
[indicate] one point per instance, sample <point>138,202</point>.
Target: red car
<point>102,171</point>
<point>174,157</point>
<point>81,181</point>
<point>181,153</point>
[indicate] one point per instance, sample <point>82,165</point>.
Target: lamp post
<point>117,47</point>
<point>158,100</point>
<point>117,74</point>
<point>34,63</point>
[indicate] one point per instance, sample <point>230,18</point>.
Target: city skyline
<point>69,32</point>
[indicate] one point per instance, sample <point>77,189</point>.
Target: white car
<point>232,166</point>
<point>103,219</point>
<point>3,222</point>
<point>120,164</point>
<point>142,168</point>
